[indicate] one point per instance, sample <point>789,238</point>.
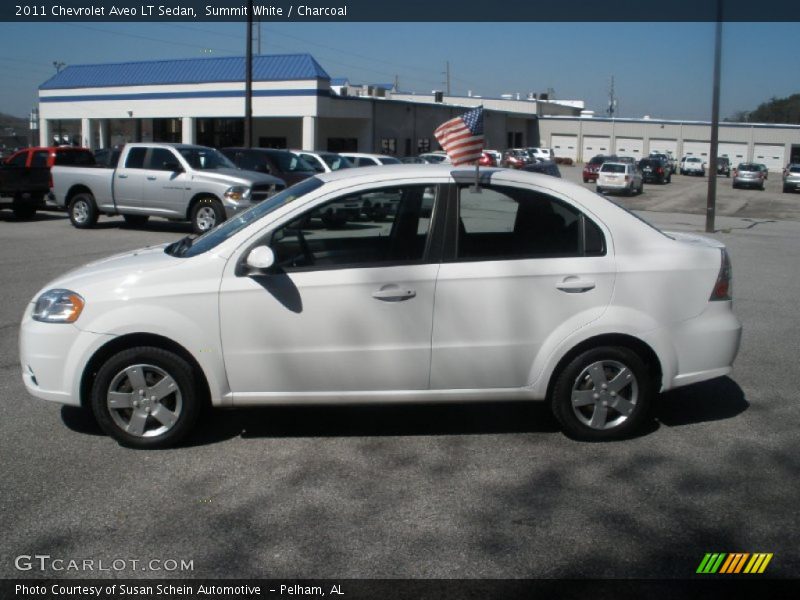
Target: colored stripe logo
<point>735,562</point>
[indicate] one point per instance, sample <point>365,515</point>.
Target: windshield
<point>205,158</point>
<point>219,234</point>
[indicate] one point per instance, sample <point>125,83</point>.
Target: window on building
<point>423,145</point>
<point>272,142</point>
<point>389,145</point>
<point>336,144</point>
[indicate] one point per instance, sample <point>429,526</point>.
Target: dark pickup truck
<point>22,189</point>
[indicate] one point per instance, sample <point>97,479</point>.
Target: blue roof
<point>279,67</point>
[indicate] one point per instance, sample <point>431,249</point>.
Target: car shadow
<point>8,216</point>
<point>152,225</point>
<point>714,400</point>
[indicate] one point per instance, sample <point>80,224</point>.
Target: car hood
<point>237,177</point>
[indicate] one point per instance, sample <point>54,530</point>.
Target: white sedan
<point>530,288</point>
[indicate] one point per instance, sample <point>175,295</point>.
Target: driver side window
<point>365,229</point>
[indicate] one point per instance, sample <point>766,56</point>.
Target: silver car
<point>748,175</point>
<point>791,178</point>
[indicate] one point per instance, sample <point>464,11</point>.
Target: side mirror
<point>260,258</point>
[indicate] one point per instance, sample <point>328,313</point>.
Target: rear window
<point>794,170</point>
<point>693,160</point>
<point>746,167</point>
<point>612,168</point>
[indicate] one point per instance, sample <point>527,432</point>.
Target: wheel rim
<point>80,211</point>
<point>605,394</point>
<point>144,400</point>
<point>206,218</point>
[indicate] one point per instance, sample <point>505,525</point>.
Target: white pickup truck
<point>174,181</point>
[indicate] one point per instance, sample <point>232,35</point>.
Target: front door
<point>164,191</point>
<point>348,307</point>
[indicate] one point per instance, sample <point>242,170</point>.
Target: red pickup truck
<point>25,175</point>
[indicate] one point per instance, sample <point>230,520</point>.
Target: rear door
<point>527,268</point>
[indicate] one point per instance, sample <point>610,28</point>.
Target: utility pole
<point>58,65</point>
<point>397,83</point>
<point>447,77</point>
<point>257,35</point>
<point>711,198</point>
<point>612,100</point>
<point>248,80</point>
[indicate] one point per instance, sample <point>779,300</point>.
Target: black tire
<point>135,220</point>
<point>82,211</point>
<point>148,421</point>
<point>785,190</point>
<point>206,214</point>
<point>601,413</point>
<point>599,190</point>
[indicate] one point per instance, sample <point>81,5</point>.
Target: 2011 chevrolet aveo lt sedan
<point>426,288</point>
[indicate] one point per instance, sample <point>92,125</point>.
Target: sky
<point>663,70</point>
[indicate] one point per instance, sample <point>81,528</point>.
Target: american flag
<point>462,137</point>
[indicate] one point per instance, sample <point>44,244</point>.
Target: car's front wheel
<point>145,397</point>
<point>206,214</point>
<point>603,394</point>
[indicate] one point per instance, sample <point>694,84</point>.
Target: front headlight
<point>237,193</point>
<point>58,306</point>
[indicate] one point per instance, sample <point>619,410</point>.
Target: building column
<point>87,134</point>
<point>45,137</point>
<point>188,130</point>
<point>102,131</point>
<point>309,133</point>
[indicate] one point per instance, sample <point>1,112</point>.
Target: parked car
<point>175,181</point>
<point>791,178</point>
<point>487,160</point>
<point>748,175</point>
<point>693,165</point>
<point>416,160</point>
<point>541,153</point>
<point>323,162</point>
<point>655,170</point>
<point>435,157</point>
<point>278,163</point>
<point>668,158</point>
<point>723,166</point>
<point>515,158</point>
<point>546,293</point>
<point>497,155</point>
<point>364,159</point>
<point>547,167</point>
<point>619,177</point>
<point>591,168</point>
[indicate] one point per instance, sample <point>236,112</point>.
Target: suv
<point>748,175</point>
<point>279,163</point>
<point>791,178</point>
<point>655,169</point>
<point>541,153</point>
<point>620,177</point>
<point>723,166</point>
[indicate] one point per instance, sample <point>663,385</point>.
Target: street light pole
<point>711,198</point>
<point>248,83</point>
<point>59,65</point>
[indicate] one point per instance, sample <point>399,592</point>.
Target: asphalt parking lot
<point>457,491</point>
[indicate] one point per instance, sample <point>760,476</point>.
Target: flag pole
<point>477,187</point>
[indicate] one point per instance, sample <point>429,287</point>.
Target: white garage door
<point>594,145</point>
<point>771,155</point>
<point>565,146</point>
<point>736,152</point>
<point>692,148</point>
<point>664,147</point>
<point>630,147</point>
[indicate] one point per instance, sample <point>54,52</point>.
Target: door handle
<point>394,293</point>
<point>122,176</point>
<point>150,178</point>
<point>573,285</point>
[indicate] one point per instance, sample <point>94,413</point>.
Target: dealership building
<point>296,104</point>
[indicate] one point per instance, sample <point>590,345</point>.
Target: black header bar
<point>398,11</point>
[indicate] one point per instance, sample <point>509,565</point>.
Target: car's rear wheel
<point>145,397</point>
<point>82,211</point>
<point>603,394</point>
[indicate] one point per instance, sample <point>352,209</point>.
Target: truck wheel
<point>82,211</point>
<point>207,213</point>
<point>135,220</point>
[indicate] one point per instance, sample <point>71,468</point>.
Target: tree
<point>775,110</point>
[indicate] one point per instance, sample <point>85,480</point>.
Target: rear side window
<point>18,160</point>
<point>135,159</point>
<point>505,223</point>
<point>39,158</point>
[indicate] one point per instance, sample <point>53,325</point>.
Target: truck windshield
<point>205,158</point>
<point>222,232</point>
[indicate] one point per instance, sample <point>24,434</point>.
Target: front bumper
<point>53,357</point>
